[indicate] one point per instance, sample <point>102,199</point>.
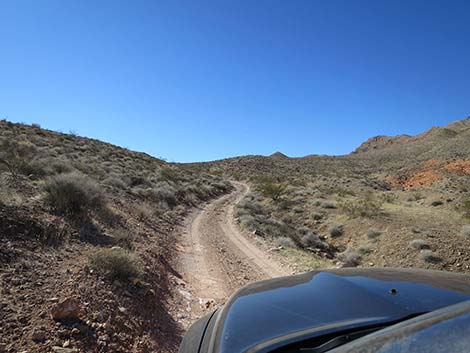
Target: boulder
<point>70,308</point>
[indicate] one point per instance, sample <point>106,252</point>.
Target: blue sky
<point>202,80</point>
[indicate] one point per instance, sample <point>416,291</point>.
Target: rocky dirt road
<point>216,258</point>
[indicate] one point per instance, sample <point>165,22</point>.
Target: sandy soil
<point>216,258</point>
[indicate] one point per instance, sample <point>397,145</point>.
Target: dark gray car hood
<point>265,314</point>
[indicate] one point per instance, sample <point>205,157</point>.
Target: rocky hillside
<point>85,242</point>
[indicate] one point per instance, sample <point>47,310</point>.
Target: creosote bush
<point>72,194</point>
<point>116,264</point>
<point>272,190</point>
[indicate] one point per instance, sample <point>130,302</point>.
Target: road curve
<point>215,258</point>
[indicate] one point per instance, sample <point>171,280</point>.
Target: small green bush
<point>272,190</point>
<point>72,194</point>
<point>116,264</point>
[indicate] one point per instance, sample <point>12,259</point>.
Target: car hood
<point>263,315</point>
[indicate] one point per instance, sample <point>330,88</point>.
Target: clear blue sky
<point>199,80</point>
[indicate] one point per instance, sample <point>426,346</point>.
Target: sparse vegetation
<point>361,208</point>
<point>116,264</point>
<point>72,194</point>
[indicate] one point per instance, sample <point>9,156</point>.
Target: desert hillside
<point>108,250</point>
<point>395,201</point>
<point>86,242</point>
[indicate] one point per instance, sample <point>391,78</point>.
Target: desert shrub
<point>285,242</point>
<point>116,264</point>
<point>466,230</point>
<point>350,258</point>
<point>221,186</point>
<point>248,221</point>
<point>168,174</point>
<point>124,238</point>
<point>316,216</point>
<point>165,193</point>
<point>389,197</point>
<point>251,205</point>
<point>336,231</point>
<point>419,244</point>
<point>373,233</point>
<point>327,204</point>
<point>465,208</point>
<point>18,158</point>
<point>138,180</point>
<point>201,191</point>
<point>115,181</point>
<point>430,256</point>
<point>310,240</point>
<point>364,249</point>
<point>72,194</point>
<point>272,190</point>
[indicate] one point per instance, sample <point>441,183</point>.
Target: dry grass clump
<point>116,264</point>
<point>419,244</point>
<point>72,194</point>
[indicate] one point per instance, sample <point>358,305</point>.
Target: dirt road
<point>216,258</point>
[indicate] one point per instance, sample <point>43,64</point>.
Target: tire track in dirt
<point>215,259</point>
